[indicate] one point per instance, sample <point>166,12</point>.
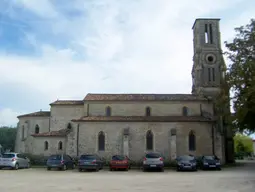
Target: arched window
<point>185,111</point>
<point>23,132</point>
<point>108,111</point>
<point>101,141</point>
<point>192,141</point>
<point>149,140</point>
<point>46,145</point>
<point>60,145</point>
<point>69,126</point>
<point>148,111</point>
<point>37,129</point>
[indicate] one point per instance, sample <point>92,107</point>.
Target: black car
<point>186,162</point>
<point>61,162</point>
<point>210,162</point>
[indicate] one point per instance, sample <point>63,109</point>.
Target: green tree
<point>8,137</point>
<point>243,144</point>
<point>241,76</point>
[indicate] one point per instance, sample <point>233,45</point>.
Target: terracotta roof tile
<point>68,102</point>
<point>60,133</point>
<point>36,114</point>
<point>143,97</point>
<point>143,119</point>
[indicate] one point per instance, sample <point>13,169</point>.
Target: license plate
<point>212,165</point>
<point>152,165</point>
<point>187,166</point>
<point>86,163</point>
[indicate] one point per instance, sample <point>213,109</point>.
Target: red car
<point>119,162</point>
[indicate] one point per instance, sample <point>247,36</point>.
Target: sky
<point>62,49</point>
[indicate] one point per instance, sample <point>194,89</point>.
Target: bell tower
<point>208,62</point>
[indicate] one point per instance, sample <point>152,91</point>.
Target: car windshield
<point>152,155</point>
<point>55,157</point>
<point>118,157</point>
<point>8,155</point>
<point>186,158</point>
<point>88,157</point>
<point>209,158</point>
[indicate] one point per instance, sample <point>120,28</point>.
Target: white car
<point>14,161</point>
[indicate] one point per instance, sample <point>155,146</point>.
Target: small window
<point>60,145</point>
<point>149,140</point>
<point>192,141</point>
<point>69,126</point>
<point>101,141</point>
<point>148,111</point>
<point>108,111</point>
<point>185,111</point>
<point>23,132</point>
<point>37,129</point>
<point>209,74</point>
<point>46,145</point>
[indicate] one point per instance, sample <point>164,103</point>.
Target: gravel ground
<point>237,179</point>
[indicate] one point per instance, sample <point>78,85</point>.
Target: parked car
<point>90,162</point>
<point>61,162</point>
<point>153,160</point>
<point>210,162</point>
<point>186,162</point>
<point>14,161</point>
<point>119,162</point>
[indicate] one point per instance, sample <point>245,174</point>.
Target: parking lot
<point>237,179</point>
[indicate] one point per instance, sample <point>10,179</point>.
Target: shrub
<point>37,159</point>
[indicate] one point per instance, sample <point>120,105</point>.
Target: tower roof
<point>200,19</point>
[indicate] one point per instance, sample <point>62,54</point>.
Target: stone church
<point>132,124</point>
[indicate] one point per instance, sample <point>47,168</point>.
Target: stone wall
<point>38,145</point>
<point>24,145</point>
<point>88,138</point>
<point>166,108</point>
<point>61,115</point>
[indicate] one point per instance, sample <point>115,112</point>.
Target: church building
<point>132,124</point>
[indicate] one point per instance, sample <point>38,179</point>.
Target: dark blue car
<point>187,163</point>
<point>210,162</point>
<point>61,162</point>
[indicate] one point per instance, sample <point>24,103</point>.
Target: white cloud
<point>8,117</point>
<point>129,46</point>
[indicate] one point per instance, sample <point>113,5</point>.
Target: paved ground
<point>238,179</point>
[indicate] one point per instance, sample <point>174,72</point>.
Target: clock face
<point>210,58</point>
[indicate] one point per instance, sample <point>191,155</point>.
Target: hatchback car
<point>61,162</point>
<point>90,162</point>
<point>119,162</point>
<point>186,162</point>
<point>210,162</point>
<point>14,161</point>
<point>153,160</point>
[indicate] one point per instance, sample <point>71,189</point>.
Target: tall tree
<point>7,138</point>
<point>241,76</point>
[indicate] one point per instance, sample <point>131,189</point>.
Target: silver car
<point>14,161</point>
<point>153,160</point>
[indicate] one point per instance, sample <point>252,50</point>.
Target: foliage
<point>37,159</point>
<point>241,76</point>
<point>243,145</point>
<point>8,137</point>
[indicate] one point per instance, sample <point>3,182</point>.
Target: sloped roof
<point>68,102</point>
<point>143,119</point>
<point>36,114</point>
<point>60,133</point>
<point>143,97</point>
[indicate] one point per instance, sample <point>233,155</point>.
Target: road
<point>238,179</point>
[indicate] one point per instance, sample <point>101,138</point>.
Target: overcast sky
<point>62,49</point>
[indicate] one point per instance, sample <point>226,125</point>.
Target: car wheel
<point>80,169</point>
<point>97,169</point>
<point>143,169</point>
<point>48,168</point>
<point>162,169</point>
<point>219,169</point>
<point>16,167</point>
<point>64,167</point>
